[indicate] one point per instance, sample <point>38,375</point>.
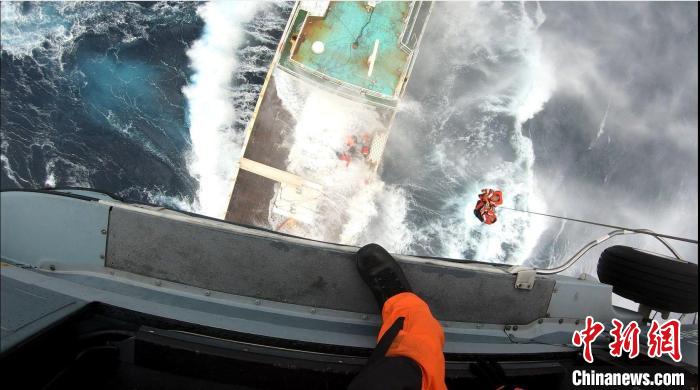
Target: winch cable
<point>362,30</point>
<point>640,231</point>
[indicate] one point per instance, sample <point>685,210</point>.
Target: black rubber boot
<point>381,272</point>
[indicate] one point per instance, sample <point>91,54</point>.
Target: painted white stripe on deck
<point>277,175</point>
<point>373,58</point>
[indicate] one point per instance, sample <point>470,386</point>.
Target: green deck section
<point>350,22</point>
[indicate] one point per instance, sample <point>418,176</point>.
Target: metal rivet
<point>207,293</point>
<point>478,326</point>
<point>515,327</point>
<point>313,310</point>
<point>257,302</point>
<point>561,320</point>
<point>103,231</point>
<point>102,257</point>
<point>578,322</point>
<point>52,267</point>
<point>508,327</point>
<point>540,321</point>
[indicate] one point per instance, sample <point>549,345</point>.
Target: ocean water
<point>587,110</point>
<point>109,95</point>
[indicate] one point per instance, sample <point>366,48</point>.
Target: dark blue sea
<point>92,94</point>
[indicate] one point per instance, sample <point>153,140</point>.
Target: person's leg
<point>409,350</point>
<point>421,338</point>
<point>478,215</point>
<point>389,373</point>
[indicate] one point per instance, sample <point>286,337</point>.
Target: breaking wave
<point>229,62</point>
<point>503,46</point>
<point>324,121</point>
<point>92,95</point>
<point>216,140</point>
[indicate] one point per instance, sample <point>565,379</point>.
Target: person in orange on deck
<point>365,151</point>
<point>344,157</point>
<point>366,143</point>
<point>408,354</point>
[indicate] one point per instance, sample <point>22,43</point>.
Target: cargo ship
<point>337,76</point>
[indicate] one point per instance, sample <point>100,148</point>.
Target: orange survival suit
<point>409,349</point>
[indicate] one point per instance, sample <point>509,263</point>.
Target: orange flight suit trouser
<point>421,338</point>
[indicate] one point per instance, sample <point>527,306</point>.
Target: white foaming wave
<point>520,93</point>
<point>377,213</point>
<point>537,92</point>
<point>216,142</point>
<point>5,162</point>
<point>601,128</point>
<point>22,33</point>
<point>76,175</point>
<point>52,27</point>
<point>177,202</point>
<point>125,127</point>
<point>291,91</point>
<point>159,196</point>
<point>554,255</point>
<point>254,56</point>
<point>354,195</point>
<point>50,181</point>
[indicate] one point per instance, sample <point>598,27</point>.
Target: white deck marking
<point>372,58</point>
<point>277,175</point>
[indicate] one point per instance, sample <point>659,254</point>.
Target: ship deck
<point>266,144</point>
<point>267,191</point>
<point>349,33</point>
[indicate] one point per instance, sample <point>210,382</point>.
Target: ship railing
<point>323,76</point>
<point>410,23</point>
<point>409,38</point>
<point>340,83</point>
<point>345,89</point>
<point>417,37</point>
